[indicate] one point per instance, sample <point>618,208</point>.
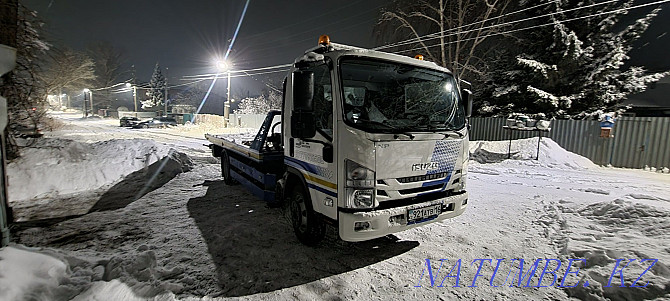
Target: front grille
<point>415,200</point>
<point>420,189</point>
<point>413,179</point>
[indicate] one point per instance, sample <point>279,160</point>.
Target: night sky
<point>186,35</point>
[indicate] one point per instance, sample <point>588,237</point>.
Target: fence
<point>638,141</point>
<point>246,120</point>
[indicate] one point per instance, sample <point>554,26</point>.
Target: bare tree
<point>449,33</point>
<point>108,61</point>
<point>191,94</point>
<point>67,69</point>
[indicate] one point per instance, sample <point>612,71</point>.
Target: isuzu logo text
<point>425,166</point>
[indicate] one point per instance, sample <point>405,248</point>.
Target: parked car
<point>128,121</point>
<point>158,122</point>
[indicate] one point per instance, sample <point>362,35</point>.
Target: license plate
<point>423,214</point>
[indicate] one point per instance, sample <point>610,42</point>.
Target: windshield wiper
<point>396,136</point>
<point>435,129</point>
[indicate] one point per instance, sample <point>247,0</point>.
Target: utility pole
<point>226,105</point>
<point>90,97</point>
<point>132,69</point>
<point>84,105</point>
<point>166,91</point>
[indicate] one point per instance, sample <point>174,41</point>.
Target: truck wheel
<point>308,226</point>
<point>225,169</point>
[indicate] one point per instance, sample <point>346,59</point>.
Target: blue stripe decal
<point>304,165</point>
<point>442,181</point>
<point>328,192</point>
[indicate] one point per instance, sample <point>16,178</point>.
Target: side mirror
<point>303,90</point>
<point>303,123</point>
<point>467,99</point>
<point>328,153</point>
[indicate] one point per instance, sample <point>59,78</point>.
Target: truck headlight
<point>359,186</point>
<point>361,198</point>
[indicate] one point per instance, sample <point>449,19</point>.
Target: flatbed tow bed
<point>257,162</point>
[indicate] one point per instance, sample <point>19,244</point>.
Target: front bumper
<point>387,221</point>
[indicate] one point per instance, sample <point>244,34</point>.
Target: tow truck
<point>369,142</point>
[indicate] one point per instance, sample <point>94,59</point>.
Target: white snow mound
<point>56,167</point>
<point>28,275</point>
<point>524,152</point>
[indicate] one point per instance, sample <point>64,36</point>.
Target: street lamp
<point>128,85</point>
<point>223,66</point>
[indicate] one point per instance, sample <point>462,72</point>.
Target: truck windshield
<point>383,96</point>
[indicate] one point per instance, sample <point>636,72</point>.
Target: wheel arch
<point>294,177</point>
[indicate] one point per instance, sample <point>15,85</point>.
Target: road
<point>195,236</point>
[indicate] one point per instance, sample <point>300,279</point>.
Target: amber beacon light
<point>324,40</point>
<point>419,57</point>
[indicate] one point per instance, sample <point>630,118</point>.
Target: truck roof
<point>341,50</point>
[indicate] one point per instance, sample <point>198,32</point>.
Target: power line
<point>240,71</point>
<point>221,75</point>
<point>436,35</point>
<point>394,44</point>
<point>547,24</point>
<point>109,87</point>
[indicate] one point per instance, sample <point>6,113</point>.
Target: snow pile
<point>524,151</point>
<point>58,167</point>
<point>28,275</point>
<point>117,290</point>
<point>39,274</point>
<point>605,232</point>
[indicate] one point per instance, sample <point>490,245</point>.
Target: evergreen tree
<point>156,91</point>
<point>575,67</point>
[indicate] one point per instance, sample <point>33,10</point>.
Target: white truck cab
<point>373,143</point>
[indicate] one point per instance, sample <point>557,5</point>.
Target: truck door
<point>307,154</point>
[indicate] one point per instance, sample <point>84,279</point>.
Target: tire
<point>145,126</point>
<point>225,169</point>
<point>307,225</point>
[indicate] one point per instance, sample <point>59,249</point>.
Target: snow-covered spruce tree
<point>156,90</point>
<point>573,67</point>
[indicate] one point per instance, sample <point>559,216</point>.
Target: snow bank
<point>56,167</point>
<point>606,233</point>
<point>524,152</point>
<point>37,274</point>
<point>28,275</point>
<point>117,290</point>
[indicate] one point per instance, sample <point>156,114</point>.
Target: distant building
<point>654,102</point>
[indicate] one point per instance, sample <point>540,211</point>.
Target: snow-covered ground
<point>191,237</point>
